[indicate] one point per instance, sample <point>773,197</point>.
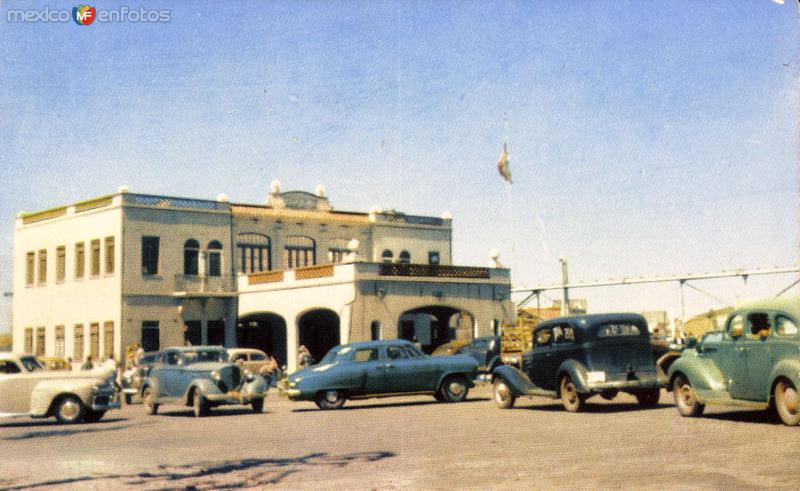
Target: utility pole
<point>564,290</point>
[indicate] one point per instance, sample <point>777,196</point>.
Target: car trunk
<point>622,359</point>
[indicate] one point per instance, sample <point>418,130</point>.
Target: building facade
<point>99,276</point>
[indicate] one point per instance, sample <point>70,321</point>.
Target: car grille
<point>229,378</point>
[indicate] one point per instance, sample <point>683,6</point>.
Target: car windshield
<point>337,354</point>
<point>190,357</point>
<point>31,364</point>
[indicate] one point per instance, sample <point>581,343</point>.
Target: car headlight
<point>248,375</point>
<point>215,376</point>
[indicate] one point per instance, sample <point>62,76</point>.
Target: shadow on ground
<point>595,408</point>
<point>37,423</point>
<point>354,405</point>
<point>213,413</point>
<point>70,430</point>
<point>229,474</point>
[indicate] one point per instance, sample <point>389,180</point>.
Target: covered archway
<point>265,331</point>
<point>318,330</point>
<point>432,326</point>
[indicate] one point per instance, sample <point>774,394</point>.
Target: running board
<point>391,394</point>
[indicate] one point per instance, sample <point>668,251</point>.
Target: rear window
<point>257,357</point>
<point>613,330</point>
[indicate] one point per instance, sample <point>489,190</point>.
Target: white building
<point>101,275</point>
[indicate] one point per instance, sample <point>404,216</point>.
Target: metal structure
<point>683,280</point>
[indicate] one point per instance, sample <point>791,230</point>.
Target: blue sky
<point>646,138</point>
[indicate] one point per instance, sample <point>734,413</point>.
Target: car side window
<point>171,358</point>
<point>758,325</point>
<point>543,337</point>
<point>785,326</point>
<point>365,354</point>
<point>257,357</point>
<point>569,335</point>
<point>736,321</point>
<point>7,366</point>
<point>412,352</point>
<point>396,353</point>
<point>240,357</point>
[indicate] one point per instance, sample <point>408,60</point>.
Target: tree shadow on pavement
<point>226,474</point>
<point>349,407</point>
<point>52,422</point>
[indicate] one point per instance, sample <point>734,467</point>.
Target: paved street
<point>401,443</point>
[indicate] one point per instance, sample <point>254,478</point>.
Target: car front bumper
<point>105,400</point>
<point>293,393</point>
<point>235,397</point>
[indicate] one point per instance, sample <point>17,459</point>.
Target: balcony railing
<point>433,270</point>
<point>203,284</point>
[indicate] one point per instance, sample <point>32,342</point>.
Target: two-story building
<point>98,276</point>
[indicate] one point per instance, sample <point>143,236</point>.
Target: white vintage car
<point>26,387</point>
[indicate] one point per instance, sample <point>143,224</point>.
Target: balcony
<point>210,286</point>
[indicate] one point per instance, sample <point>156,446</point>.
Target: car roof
<point>789,305</point>
<point>376,344</point>
<point>588,321</point>
<point>244,350</point>
<point>193,348</point>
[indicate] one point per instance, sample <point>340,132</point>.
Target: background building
<point>98,276</point>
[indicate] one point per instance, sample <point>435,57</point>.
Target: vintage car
<point>379,369</point>
<point>26,387</point>
<point>132,378</point>
<point>251,359</point>
<point>754,362</point>
<point>54,363</point>
<point>574,358</point>
<point>201,377</point>
<point>486,351</point>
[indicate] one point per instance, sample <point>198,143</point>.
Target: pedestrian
<point>304,358</point>
<point>87,365</point>
<point>69,363</point>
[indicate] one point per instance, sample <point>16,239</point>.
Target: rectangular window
<point>42,278</point>
<point>61,262</point>
<point>59,345</point>
<point>30,261</point>
<point>77,349</point>
<point>28,340</point>
<point>80,260</point>
<point>149,255</point>
<point>94,341</point>
<point>337,255</point>
<point>95,258</point>
<point>109,255</point>
<point>108,338</point>
<point>433,257</point>
<point>214,263</point>
<point>40,341</point>
<point>150,336</point>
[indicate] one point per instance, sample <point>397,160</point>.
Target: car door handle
<point>742,349</point>
<point>388,365</point>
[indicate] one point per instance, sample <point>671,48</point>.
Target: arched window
<point>214,258</point>
<point>387,256</point>
<point>405,257</point>
<point>337,250</point>
<point>191,252</point>
<point>255,252</point>
<point>375,330</point>
<point>299,251</point>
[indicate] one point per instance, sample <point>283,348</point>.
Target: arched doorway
<point>433,326</point>
<point>264,331</point>
<point>318,330</point>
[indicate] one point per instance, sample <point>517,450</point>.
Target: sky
<point>645,138</point>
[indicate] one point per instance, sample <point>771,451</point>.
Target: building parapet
<point>433,270</point>
<point>156,201</point>
<point>194,284</point>
<point>402,218</point>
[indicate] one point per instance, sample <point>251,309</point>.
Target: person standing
<point>87,365</point>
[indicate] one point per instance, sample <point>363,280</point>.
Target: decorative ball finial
<point>223,198</point>
<point>320,191</point>
<point>275,187</point>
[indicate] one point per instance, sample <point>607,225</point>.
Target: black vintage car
<point>574,358</point>
<point>486,351</point>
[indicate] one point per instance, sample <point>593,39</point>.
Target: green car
<point>754,362</point>
<point>380,369</point>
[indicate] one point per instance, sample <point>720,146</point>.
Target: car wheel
<point>787,403</point>
<point>70,410</point>
<point>649,399</point>
<point>503,398</point>
<point>570,398</point>
<point>438,396</point>
<point>686,399</point>
<point>128,399</point>
<point>200,404</point>
<point>149,401</point>
<point>331,399</point>
<point>609,395</point>
<point>93,416</point>
<point>455,389</point>
<point>258,405</point>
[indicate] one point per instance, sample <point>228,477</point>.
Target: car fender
<point>517,381</point>
<point>469,370</point>
<point>789,369</point>
<point>494,361</point>
<point>205,386</point>
<point>701,373</point>
<point>255,387</point>
<point>577,373</point>
<point>152,383</point>
<point>47,391</point>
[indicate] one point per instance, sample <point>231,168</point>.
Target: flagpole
<point>513,258</point>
